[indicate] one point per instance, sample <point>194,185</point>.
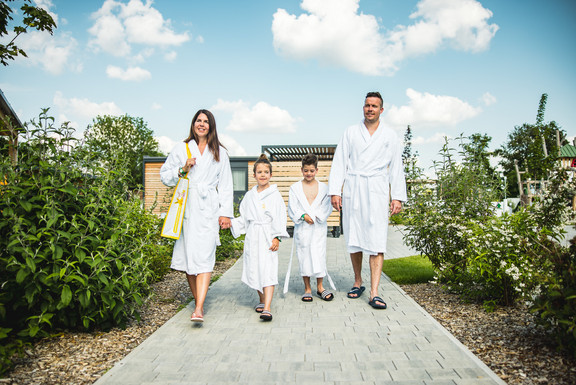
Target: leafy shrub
<point>555,301</point>
<point>72,240</point>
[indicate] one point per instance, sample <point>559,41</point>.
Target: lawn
<point>408,270</point>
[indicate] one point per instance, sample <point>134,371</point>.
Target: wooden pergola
<point>10,126</point>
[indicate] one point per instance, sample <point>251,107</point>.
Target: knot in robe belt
<point>360,184</point>
<point>265,228</point>
<point>203,190</point>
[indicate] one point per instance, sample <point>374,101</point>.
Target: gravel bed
<point>507,340</point>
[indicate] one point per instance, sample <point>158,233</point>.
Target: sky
<point>279,72</point>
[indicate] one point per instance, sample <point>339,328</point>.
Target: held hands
<point>337,202</point>
<point>224,222</point>
<point>395,207</point>
<point>308,220</point>
<point>275,244</point>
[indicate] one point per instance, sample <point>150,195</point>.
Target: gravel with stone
<point>507,340</point>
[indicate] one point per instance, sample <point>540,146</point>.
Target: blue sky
<point>296,72</point>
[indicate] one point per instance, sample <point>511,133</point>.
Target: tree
<point>526,146</point>
<point>122,141</point>
<point>33,17</point>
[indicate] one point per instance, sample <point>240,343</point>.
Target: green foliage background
<point>77,249</point>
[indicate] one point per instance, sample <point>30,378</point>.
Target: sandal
<point>266,316</point>
<point>326,295</point>
<point>307,297</point>
<point>259,308</point>
<point>197,318</point>
<point>356,292</point>
<point>375,305</point>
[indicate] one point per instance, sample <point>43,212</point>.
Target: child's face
<point>262,174</point>
<point>309,172</point>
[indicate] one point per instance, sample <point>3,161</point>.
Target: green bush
<point>555,301</point>
<point>73,240</point>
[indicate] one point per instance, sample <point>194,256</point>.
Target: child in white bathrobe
<point>263,220</point>
<point>309,208</point>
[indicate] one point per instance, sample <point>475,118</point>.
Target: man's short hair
<point>375,94</point>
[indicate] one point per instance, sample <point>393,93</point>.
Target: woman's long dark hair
<point>213,141</point>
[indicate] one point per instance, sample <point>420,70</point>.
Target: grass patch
<point>409,270</point>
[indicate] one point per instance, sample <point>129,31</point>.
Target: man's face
<point>372,109</point>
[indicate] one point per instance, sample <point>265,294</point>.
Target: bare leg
<point>320,284</point>
<point>192,283</point>
<point>268,294</point>
<point>307,287</point>
<point>202,284</point>
<point>356,259</point>
<point>376,262</point>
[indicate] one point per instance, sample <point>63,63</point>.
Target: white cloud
<point>132,74</point>
<point>438,137</point>
<point>262,117</point>
<point>118,26</point>
<point>488,99</point>
<point>53,53</point>
<point>234,148</point>
<point>156,106</point>
<point>165,144</point>
<point>170,56</point>
<point>84,108</point>
<point>425,109</point>
<point>335,33</point>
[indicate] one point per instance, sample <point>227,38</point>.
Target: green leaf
<point>31,264</point>
<point>21,275</point>
<point>66,295</point>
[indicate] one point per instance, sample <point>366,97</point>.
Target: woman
<point>208,206</point>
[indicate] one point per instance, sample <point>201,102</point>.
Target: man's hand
<point>395,207</point>
<point>337,202</point>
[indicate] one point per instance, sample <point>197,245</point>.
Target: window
<point>239,180</point>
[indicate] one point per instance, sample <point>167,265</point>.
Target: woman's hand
<point>190,162</point>
<point>275,244</point>
<point>224,222</point>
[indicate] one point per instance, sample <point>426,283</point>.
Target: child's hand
<point>308,219</point>
<point>275,244</point>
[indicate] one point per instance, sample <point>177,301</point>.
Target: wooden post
<point>520,189</point>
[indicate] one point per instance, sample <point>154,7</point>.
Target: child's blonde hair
<point>263,159</point>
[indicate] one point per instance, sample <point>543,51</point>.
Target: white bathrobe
<point>262,218</point>
<point>210,196</point>
<point>367,171</point>
<point>310,239</point>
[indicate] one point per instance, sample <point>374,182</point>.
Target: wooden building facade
<point>286,170</point>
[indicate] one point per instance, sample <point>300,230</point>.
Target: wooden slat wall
<point>285,174</point>
<point>154,186</point>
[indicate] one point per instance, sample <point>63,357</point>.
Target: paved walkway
<point>340,342</point>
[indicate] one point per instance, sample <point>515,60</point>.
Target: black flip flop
<point>266,316</point>
<point>376,305</point>
<point>326,295</point>
<point>356,290</point>
<point>307,297</point>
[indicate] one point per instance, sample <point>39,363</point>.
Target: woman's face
<point>201,126</point>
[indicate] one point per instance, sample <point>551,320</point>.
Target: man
<point>366,172</point>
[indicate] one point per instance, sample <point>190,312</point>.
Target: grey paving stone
<point>344,341</point>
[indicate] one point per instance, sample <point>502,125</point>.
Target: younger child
<point>263,220</point>
<point>309,207</point>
